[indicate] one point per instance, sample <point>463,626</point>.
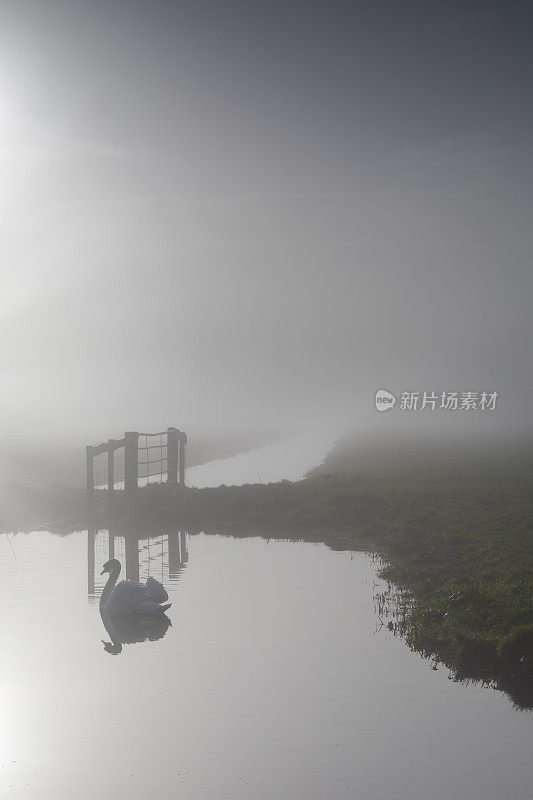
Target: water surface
<point>290,460</point>
<point>274,681</point>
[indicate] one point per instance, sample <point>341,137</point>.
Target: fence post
<point>90,480</point>
<point>172,455</point>
<point>183,442</point>
<point>184,556</point>
<point>110,469</point>
<point>173,552</point>
<point>131,545</point>
<point>91,534</point>
<point>131,462</point>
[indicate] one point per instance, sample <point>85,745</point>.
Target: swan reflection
<point>130,629</point>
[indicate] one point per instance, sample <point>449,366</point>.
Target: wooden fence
<point>127,463</point>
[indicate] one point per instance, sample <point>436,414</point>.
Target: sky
<point>248,217</point>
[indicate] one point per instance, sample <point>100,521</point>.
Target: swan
<point>131,597</point>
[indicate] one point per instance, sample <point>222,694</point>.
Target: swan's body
<point>131,597</point>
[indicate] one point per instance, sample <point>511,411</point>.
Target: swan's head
<point>113,565</point>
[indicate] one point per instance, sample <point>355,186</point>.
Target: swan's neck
<point>110,585</point>
<point>115,646</point>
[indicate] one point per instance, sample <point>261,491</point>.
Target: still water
<point>275,680</point>
<point>286,460</point>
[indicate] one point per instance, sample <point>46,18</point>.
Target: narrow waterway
<point>275,679</point>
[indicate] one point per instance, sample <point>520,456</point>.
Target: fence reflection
<point>163,556</point>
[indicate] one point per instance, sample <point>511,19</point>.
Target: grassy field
<point>454,527</point>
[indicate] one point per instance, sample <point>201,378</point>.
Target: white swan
<point>130,597</point>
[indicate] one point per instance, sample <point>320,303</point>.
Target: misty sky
<point>252,215</point>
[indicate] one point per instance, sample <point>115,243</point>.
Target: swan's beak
<point>103,572</point>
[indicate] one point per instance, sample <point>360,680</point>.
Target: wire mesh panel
<point>153,558</point>
<point>106,546</point>
<point>100,472</point>
<point>118,468</point>
<point>153,457</point>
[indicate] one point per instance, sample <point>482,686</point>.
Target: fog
<point>244,219</point>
